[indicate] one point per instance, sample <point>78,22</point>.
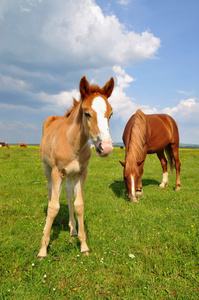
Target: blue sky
<point>149,47</point>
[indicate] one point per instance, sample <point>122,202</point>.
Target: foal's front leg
<point>70,184</point>
<point>79,209</point>
<point>53,208</point>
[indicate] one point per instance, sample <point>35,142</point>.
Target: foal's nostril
<point>100,147</point>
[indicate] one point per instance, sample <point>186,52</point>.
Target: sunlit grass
<point>147,250</point>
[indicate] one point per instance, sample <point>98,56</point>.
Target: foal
<point>65,153</point>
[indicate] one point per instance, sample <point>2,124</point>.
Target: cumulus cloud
<point>186,110</point>
<point>59,32</point>
<point>123,105</point>
<point>53,45</point>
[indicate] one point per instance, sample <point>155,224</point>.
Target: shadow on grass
<point>119,189</point>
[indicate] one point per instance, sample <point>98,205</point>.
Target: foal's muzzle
<point>103,148</point>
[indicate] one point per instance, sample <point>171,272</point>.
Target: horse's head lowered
<point>96,114</point>
<point>130,179</point>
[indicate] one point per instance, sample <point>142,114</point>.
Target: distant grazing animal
<point>22,145</point>
<point>146,134</point>
<point>4,144</point>
<point>65,153</point>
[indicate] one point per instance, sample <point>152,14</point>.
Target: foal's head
<point>96,114</point>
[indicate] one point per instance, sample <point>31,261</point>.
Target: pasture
<point>145,250</point>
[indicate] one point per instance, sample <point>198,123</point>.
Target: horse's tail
<point>138,135</point>
<point>170,156</point>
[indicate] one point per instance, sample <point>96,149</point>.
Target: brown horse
<point>146,134</point>
<point>65,153</point>
<point>4,144</point>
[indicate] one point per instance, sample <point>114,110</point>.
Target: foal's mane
<point>92,89</point>
<point>137,137</point>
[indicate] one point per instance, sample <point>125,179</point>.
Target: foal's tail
<point>170,156</point>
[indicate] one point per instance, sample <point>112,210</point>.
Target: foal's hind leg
<point>53,208</point>
<point>47,172</point>
<point>70,184</point>
<point>163,162</point>
<point>79,209</point>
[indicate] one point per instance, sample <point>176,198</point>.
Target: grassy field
<point>145,250</point>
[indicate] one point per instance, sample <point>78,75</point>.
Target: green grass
<point>161,231</point>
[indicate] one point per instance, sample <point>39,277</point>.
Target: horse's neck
<point>131,158</point>
<point>135,150</point>
<point>76,134</point>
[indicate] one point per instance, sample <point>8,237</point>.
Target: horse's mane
<point>92,89</point>
<point>69,111</point>
<point>137,137</point>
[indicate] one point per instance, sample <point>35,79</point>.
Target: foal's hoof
<point>178,188</point>
<point>163,185</point>
<point>42,254</point>
<point>86,253</point>
<point>39,257</point>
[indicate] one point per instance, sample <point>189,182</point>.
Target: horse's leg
<point>69,193</point>
<point>53,208</point>
<point>139,190</point>
<point>163,162</point>
<point>177,165</point>
<point>79,209</point>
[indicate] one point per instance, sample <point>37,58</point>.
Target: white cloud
<point>59,32</point>
<point>59,102</point>
<point>184,92</point>
<point>124,2</point>
<point>123,105</point>
<point>8,83</point>
<point>185,109</point>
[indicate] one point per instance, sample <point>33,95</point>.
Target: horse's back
<point>49,128</point>
<point>162,130</point>
<point>50,122</point>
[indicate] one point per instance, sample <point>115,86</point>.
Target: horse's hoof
<point>135,199</point>
<point>178,188</point>
<point>139,194</point>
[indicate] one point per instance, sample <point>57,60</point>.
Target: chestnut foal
<point>65,153</point>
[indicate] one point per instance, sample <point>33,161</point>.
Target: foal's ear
<point>108,88</point>
<point>84,87</point>
<point>122,163</point>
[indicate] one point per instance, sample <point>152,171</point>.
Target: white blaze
<point>99,106</point>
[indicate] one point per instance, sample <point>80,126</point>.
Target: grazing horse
<point>65,153</point>
<point>21,145</point>
<point>4,144</point>
<point>146,134</point>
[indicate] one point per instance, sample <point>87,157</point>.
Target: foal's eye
<point>87,115</point>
